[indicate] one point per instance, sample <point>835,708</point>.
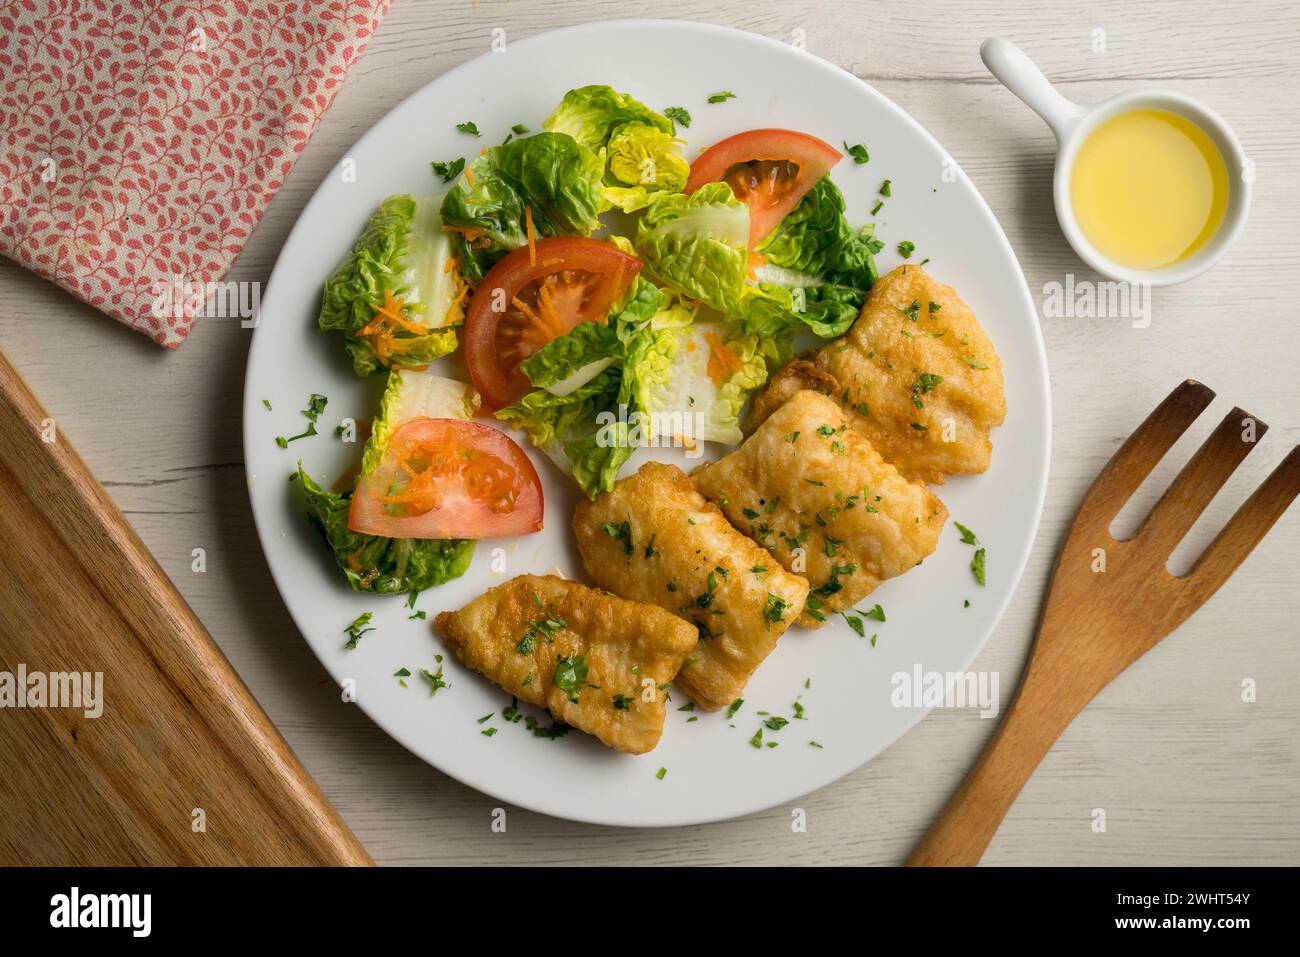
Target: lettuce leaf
<point>581,431</point>
<point>551,174</point>
<point>697,245</point>
<point>399,251</point>
<point>671,371</point>
<point>386,566</point>
<point>637,146</point>
<point>569,362</point>
<point>830,264</point>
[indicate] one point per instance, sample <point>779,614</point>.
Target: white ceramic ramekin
<point>1072,122</point>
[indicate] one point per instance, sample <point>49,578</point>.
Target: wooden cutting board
<point>182,766</point>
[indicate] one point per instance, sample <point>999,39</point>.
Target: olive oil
<point>1149,188</point>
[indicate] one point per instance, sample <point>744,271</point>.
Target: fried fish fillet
<point>916,374</point>
<point>654,538</point>
<point>815,493</point>
<point>595,661</point>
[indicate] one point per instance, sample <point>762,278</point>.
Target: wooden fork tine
<point>1245,529</point>
<point>1199,481</point>
<point>1142,451</point>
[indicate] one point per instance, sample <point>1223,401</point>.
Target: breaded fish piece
<point>916,374</point>
<point>595,661</point>
<point>654,538</point>
<point>814,492</point>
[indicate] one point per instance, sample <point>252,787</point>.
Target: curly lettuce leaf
<point>581,431</point>
<point>386,566</point>
<point>698,245</point>
<point>637,146</point>
<point>569,362</point>
<point>398,252</point>
<point>694,379</point>
<point>551,174</point>
<point>828,265</point>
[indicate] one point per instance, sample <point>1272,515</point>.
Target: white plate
<point>712,772</point>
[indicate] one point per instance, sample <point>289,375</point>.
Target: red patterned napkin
<point>141,140</point>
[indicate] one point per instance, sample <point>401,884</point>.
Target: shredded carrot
<point>755,260</point>
<point>532,236</point>
<point>455,312</point>
<point>389,320</point>
<point>469,176</point>
<point>470,233</point>
<point>723,362</point>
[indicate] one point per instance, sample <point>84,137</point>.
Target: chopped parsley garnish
<point>759,569</point>
<point>358,628</point>
<point>876,614</point>
<point>814,744</point>
<point>469,126</point>
<point>519,129</point>
<point>773,609</point>
<point>650,550</point>
<point>734,707</point>
<point>315,406</point>
<point>680,115</point>
<point>967,536</point>
<point>934,307</point>
<point>911,311</point>
<point>401,674</point>
<point>886,189</point>
<point>450,169</point>
<point>858,152</point>
<point>757,740</point>
<point>906,248</point>
<point>488,732</point>
<point>966,603</point>
<point>972,362</point>
<point>571,675</point>
<point>856,624</point>
<point>622,702</point>
<point>689,706</point>
<point>485,717</point>
<point>879,204</point>
<point>622,532</point>
<point>776,723</point>
<point>925,382</point>
<point>662,772</point>
<point>435,680</point>
<point>722,97</point>
<point>920,427</point>
<point>977,565</point>
<point>267,403</point>
<point>421,615</point>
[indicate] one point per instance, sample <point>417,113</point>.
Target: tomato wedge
<point>448,478</point>
<point>770,170</point>
<point>535,294</point>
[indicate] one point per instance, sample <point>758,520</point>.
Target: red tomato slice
<point>770,170</point>
<point>535,294</point>
<point>449,478</point>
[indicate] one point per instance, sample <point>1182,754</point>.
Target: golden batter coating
<point>654,538</point>
<point>597,662</point>
<point>814,492</point>
<point>916,374</point>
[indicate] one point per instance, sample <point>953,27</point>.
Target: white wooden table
<point>1186,772</point>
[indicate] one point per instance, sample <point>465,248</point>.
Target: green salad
<point>607,293</point>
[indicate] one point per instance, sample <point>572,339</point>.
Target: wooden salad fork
<point>1109,602</point>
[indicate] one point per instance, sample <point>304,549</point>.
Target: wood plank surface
<point>1186,771</point>
<point>155,753</point>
